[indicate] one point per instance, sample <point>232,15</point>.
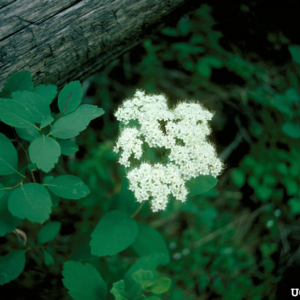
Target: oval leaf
<point>161,285</point>
<point>8,156</point>
<point>48,232</point>
<point>200,184</point>
<point>83,281</point>
<point>72,124</point>
<point>68,147</point>
<point>68,187</point>
<point>46,121</point>
<point>31,201</point>
<point>48,258</point>
<point>28,134</point>
<point>144,278</point>
<point>149,240</point>
<point>34,103</point>
<point>113,234</point>
<point>48,92</point>
<point>291,130</point>
<point>21,81</point>
<point>15,114</point>
<point>89,112</point>
<point>55,200</point>
<point>44,151</point>
<point>70,97</point>
<point>11,266</point>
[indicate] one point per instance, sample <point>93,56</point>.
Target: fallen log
<point>63,40</point>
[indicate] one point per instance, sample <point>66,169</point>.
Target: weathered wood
<point>62,40</point>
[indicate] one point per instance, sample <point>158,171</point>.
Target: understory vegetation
<point>239,240</point>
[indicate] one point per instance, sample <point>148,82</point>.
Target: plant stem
<point>138,209</point>
<point>13,187</point>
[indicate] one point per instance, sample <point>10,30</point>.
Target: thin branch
<point>138,209</point>
<point>13,187</point>
<point>65,106</point>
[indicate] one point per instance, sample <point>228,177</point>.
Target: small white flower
<point>183,131</point>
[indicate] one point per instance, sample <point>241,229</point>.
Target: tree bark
<point>63,40</point>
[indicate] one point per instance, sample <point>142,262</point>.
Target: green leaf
<point>46,121</point>
<point>114,233</point>
<point>31,201</point>
<point>48,258</point>
<point>213,61</point>
<point>44,151</point>
<point>28,134</point>
<point>8,156</point>
<point>48,92</point>
<point>238,177</point>
<point>184,26</point>
<point>291,130</point>
<point>68,187</point>
<point>74,89</point>
<point>55,200</point>
<point>141,275</point>
<point>15,114</point>
<point>34,103</point>
<point>203,69</point>
<point>200,184</point>
<point>295,53</point>
<point>83,281</point>
<point>21,81</point>
<point>118,290</point>
<point>294,204</point>
<point>89,111</point>
<point>8,223</point>
<point>279,101</point>
<point>48,179</point>
<point>144,278</point>
<point>68,147</point>
<point>72,124</point>
<point>161,285</point>
<point>170,31</point>
<point>152,298</point>
<point>48,232</point>
<point>149,240</point>
<point>147,262</point>
<point>11,180</point>
<point>12,265</point>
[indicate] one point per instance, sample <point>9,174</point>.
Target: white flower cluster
<point>157,181</point>
<point>183,131</point>
<point>130,143</point>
